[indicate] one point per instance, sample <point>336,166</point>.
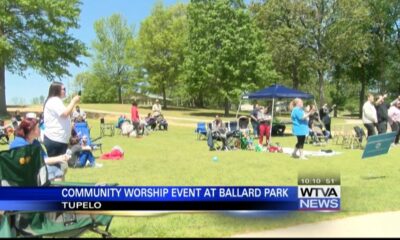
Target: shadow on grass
<point>212,114</point>
<point>373,177</point>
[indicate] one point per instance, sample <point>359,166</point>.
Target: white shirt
<point>57,128</point>
<point>369,113</point>
<point>156,109</point>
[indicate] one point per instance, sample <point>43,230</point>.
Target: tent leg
<point>272,122</point>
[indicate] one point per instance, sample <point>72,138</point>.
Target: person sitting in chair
<point>27,133</point>
<point>218,131</point>
<point>78,115</point>
<point>121,120</point>
<point>156,109</point>
<point>151,121</point>
<point>86,154</point>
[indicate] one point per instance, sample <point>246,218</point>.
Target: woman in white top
<point>57,120</point>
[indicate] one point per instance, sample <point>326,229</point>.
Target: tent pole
<point>272,122</point>
<point>240,104</point>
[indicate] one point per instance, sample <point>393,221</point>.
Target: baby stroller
<point>33,173</point>
<point>82,129</point>
<point>240,137</point>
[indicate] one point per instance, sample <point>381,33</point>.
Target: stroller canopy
<point>278,91</point>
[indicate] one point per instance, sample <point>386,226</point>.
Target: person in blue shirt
<point>27,133</point>
<point>300,126</point>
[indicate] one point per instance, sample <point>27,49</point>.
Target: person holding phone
<point>57,120</point>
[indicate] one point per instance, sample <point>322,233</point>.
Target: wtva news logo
<point>319,193</point>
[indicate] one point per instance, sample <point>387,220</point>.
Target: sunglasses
<point>64,89</point>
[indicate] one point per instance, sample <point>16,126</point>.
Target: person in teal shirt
<point>300,126</point>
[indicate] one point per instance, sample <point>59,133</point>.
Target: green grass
<point>175,157</point>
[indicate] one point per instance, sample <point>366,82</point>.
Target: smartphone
<point>79,93</point>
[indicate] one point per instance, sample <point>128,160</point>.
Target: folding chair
<point>83,129</point>
<point>201,130</point>
<point>25,167</point>
<point>106,129</point>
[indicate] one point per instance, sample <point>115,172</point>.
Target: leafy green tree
<point>36,34</point>
<point>226,54</point>
<point>162,40</point>
<point>285,37</point>
<point>114,52</point>
<point>94,89</point>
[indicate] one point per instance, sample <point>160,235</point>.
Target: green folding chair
<point>25,167</point>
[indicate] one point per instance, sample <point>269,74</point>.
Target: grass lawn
<point>175,157</point>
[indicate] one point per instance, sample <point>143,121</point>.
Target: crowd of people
<point>137,126</point>
<point>377,115</point>
<point>61,146</point>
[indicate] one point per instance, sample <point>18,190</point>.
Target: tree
<point>35,34</point>
<point>114,51</point>
<point>226,54</point>
<point>285,37</point>
<point>162,40</point>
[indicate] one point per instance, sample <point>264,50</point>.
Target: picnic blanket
<point>321,153</point>
<point>116,154</point>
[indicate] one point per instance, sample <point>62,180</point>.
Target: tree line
<point>207,53</point>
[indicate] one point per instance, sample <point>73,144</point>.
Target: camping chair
<point>217,137</point>
<point>317,135</point>
<point>355,138</point>
<point>83,129</point>
<point>348,136</point>
<point>201,130</point>
<point>237,138</point>
<point>106,129</point>
<point>25,167</point>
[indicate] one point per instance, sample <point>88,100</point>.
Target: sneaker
<point>98,165</point>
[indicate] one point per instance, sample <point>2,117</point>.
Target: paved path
<point>385,224</point>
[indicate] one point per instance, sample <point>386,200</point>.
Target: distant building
<point>147,99</point>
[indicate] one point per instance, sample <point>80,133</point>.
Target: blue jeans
<point>86,156</point>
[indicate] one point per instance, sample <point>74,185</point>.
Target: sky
<point>22,89</point>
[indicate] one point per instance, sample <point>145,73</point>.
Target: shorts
<point>54,172</point>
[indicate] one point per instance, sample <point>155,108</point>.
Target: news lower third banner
<point>307,196</point>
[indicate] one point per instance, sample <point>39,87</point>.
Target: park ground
<point>176,157</point>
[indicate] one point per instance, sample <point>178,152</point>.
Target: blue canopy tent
<point>275,91</point>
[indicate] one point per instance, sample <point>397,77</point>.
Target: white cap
<point>30,115</point>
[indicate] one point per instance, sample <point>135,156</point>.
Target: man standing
<point>382,113</point>
<point>369,116</point>
<point>324,114</point>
